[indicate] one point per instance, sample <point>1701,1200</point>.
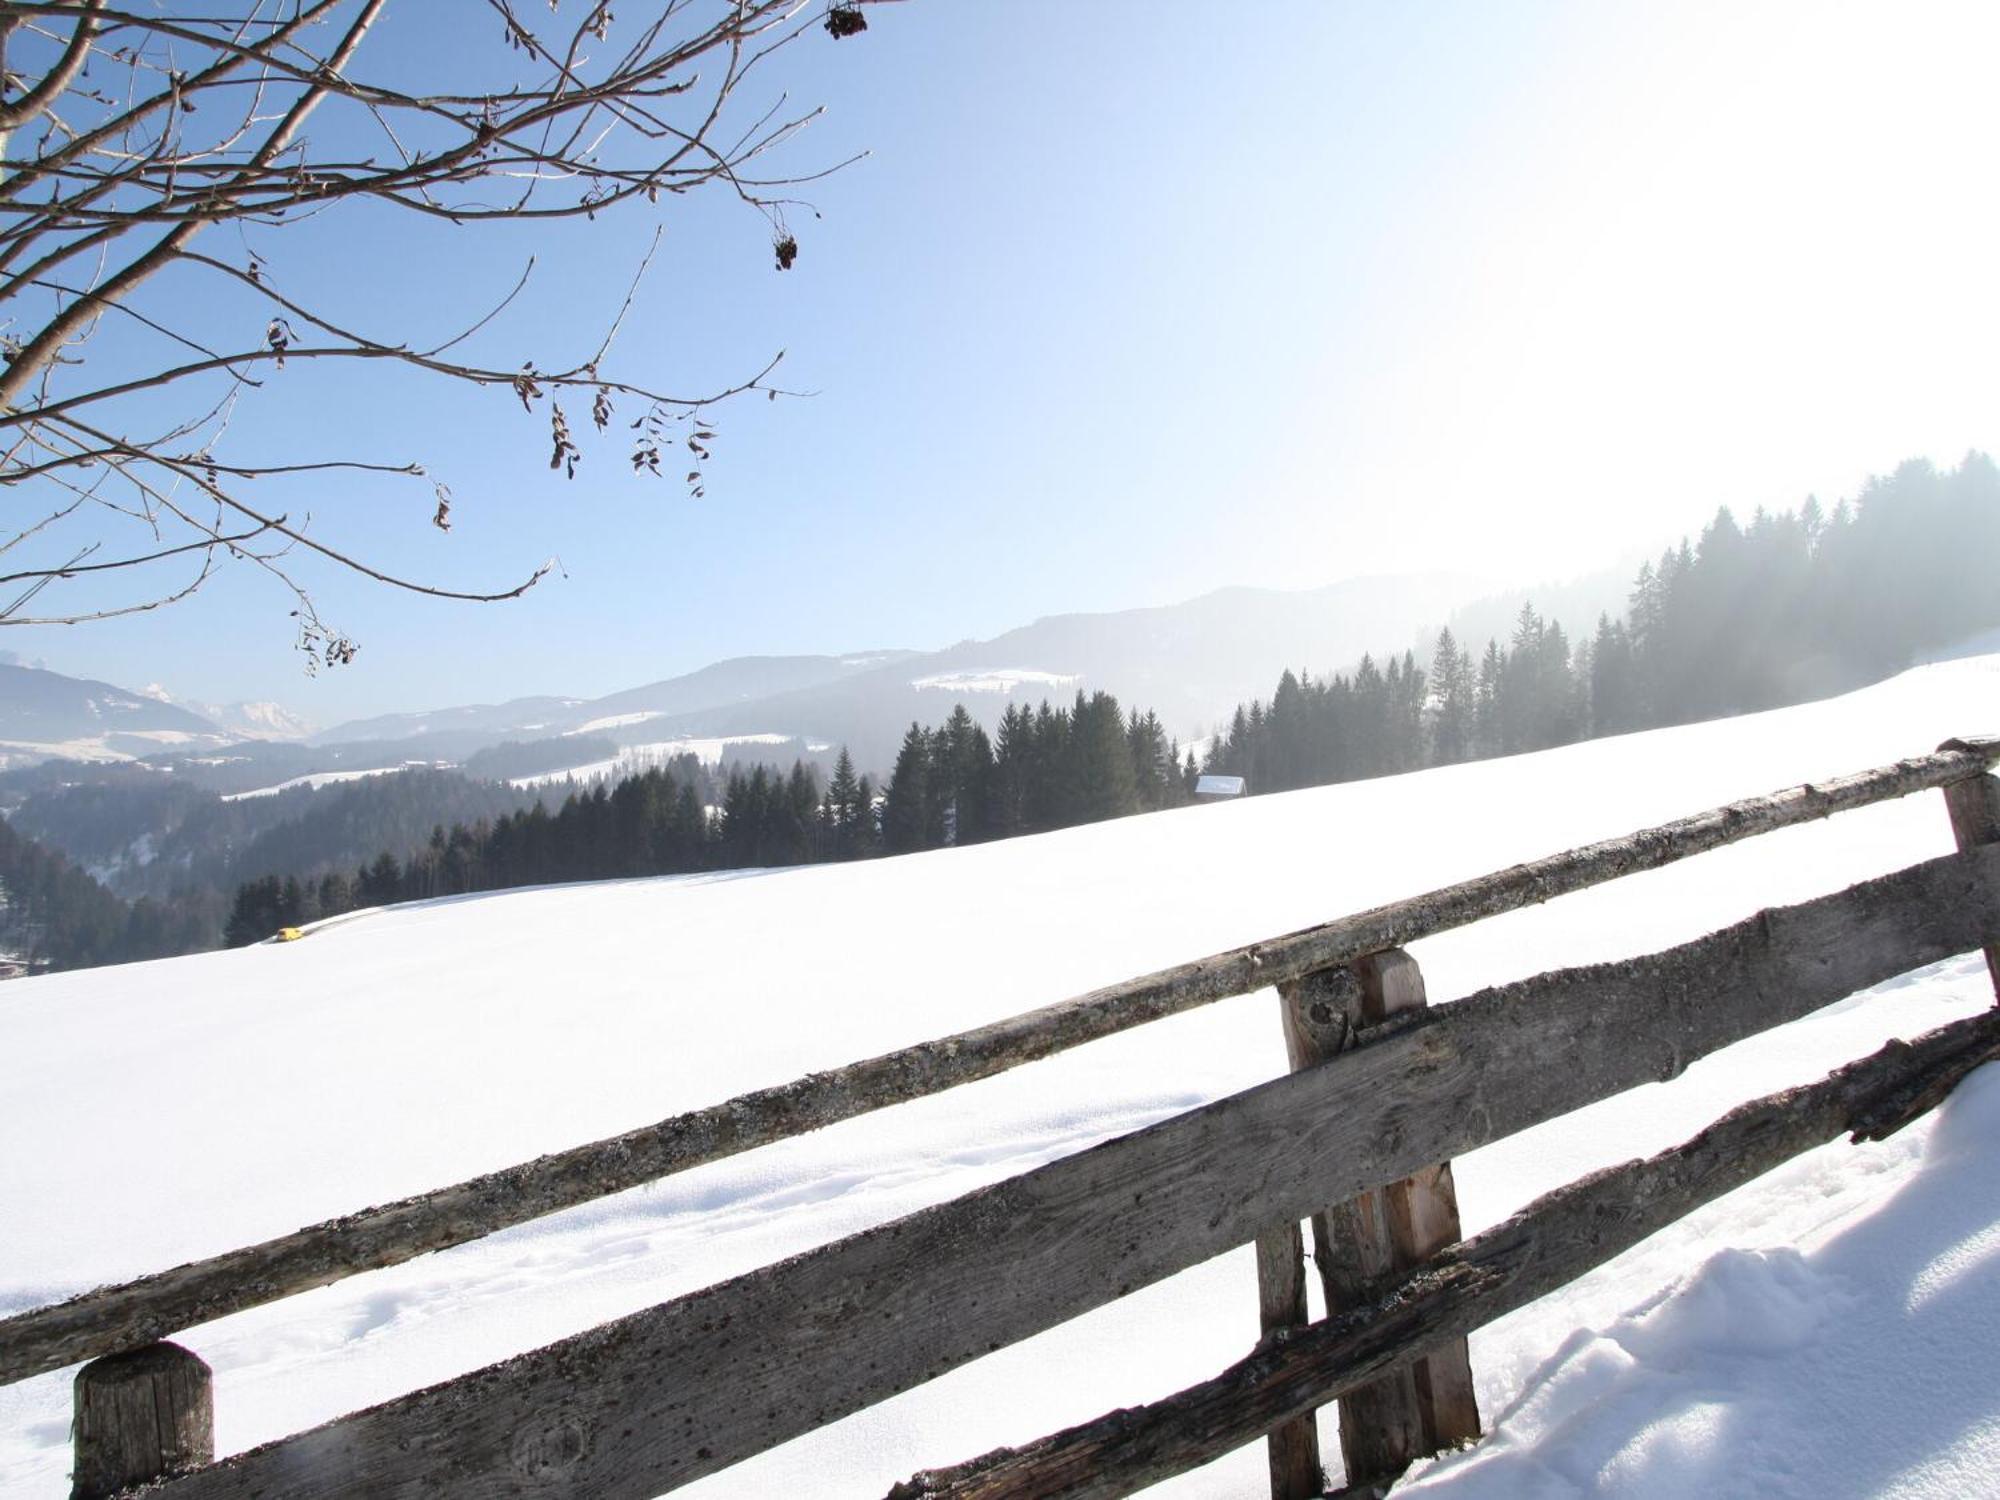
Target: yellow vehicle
<point>290,934</point>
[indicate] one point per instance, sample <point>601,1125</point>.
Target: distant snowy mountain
<point>45,715</point>
<point>518,718</point>
<point>744,680</point>
<point>1190,662</point>
<point>250,721</point>
<point>740,680</point>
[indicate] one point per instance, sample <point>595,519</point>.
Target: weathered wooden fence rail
<point>121,1317</point>
<point>1548,1244</point>
<point>684,1389</point>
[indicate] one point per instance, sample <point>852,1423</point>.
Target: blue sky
<point>1132,301</point>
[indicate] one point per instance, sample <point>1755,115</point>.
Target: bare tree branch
<point>126,131</point>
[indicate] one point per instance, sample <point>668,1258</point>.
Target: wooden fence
<point>1357,1139</point>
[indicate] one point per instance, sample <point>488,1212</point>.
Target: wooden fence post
<point>140,1416</point>
<point>1315,1013</point>
<point>1364,1243</point>
<point>1296,1471</point>
<point>1974,805</point>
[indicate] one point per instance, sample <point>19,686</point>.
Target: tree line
<point>1798,604</point>
<point>1047,768</point>
<point>55,915</point>
<point>1042,769</point>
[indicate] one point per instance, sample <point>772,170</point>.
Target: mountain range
<point>1191,663</point>
<point>250,721</point>
<point>45,715</point>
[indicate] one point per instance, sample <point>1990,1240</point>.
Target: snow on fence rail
<point>1377,1106</point>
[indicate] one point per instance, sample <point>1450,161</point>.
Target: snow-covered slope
<point>248,721</point>
<point>635,760</point>
<point>45,715</point>
<point>418,1045</point>
<point>318,779</point>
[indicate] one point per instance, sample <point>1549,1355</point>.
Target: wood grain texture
<point>1319,1015</point>
<point>137,1312</point>
<point>140,1416</point>
<point>1292,1449</point>
<point>1974,807</point>
<point>639,1405</point>
<point>1427,1404</point>
<point>1545,1246</point>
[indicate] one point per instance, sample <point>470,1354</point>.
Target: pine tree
<point>800,814</point>
<point>336,894</point>
<point>256,913</point>
<point>906,810</point>
<point>1492,671</point>
<point>1614,684</point>
<point>1455,697</point>
<point>843,814</point>
<point>1101,778</point>
<point>381,882</point>
<point>961,770</point>
<point>1155,763</point>
<point>1007,790</point>
<point>1285,729</point>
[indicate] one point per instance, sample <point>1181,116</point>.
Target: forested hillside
<point>55,916</point>
<point>1795,605</point>
<point>137,865</point>
<point>1050,768</point>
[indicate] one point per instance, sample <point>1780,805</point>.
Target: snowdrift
<point>1827,1331</point>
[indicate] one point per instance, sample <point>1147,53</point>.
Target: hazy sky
<point>1132,301</point>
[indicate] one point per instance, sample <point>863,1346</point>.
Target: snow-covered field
<point>995,680</point>
<point>634,759</point>
<point>318,779</point>
<point>615,721</point>
<point>98,747</point>
<point>1831,1330</point>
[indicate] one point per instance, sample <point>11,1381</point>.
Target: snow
<point>636,758</point>
<point>96,747</point>
<point>614,721</point>
<point>93,749</point>
<point>138,854</point>
<point>1000,680</point>
<point>318,779</point>
<point>263,720</point>
<point>1845,1348</point>
<point>1828,1330</point>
